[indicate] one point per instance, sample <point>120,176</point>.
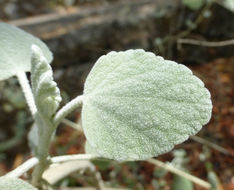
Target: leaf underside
<point>15,50</point>
<point>7,183</point>
<point>138,105</point>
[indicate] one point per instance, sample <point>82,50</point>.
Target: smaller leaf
<point>15,50</point>
<point>7,183</point>
<point>46,93</point>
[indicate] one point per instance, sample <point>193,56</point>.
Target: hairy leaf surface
<point>46,93</point>
<point>138,105</point>
<point>7,183</point>
<point>15,50</point>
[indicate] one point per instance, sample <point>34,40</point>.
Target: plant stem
<point>45,131</point>
<point>23,168</point>
<point>68,108</point>
<point>46,128</point>
<point>24,83</point>
<point>204,43</point>
<point>66,158</point>
<point>212,145</point>
<point>58,159</point>
<point>27,165</point>
<point>180,173</point>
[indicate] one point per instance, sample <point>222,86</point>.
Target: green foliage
<point>15,50</point>
<point>179,161</point>
<point>7,183</point>
<point>193,4</point>
<point>137,105</point>
<point>212,178</point>
<point>181,183</point>
<point>46,93</point>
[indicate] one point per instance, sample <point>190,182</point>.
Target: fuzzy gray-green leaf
<point>137,105</point>
<point>7,183</point>
<point>15,50</point>
<point>45,91</point>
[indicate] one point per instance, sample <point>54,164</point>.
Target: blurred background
<point>197,33</point>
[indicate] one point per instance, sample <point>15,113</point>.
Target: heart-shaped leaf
<point>15,50</point>
<point>137,105</point>
<point>8,183</point>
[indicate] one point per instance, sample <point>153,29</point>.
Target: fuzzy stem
<point>23,168</point>
<point>27,165</point>
<point>68,108</point>
<point>24,83</point>
<point>66,158</point>
<point>46,130</point>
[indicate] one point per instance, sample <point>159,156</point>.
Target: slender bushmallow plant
<point>135,105</point>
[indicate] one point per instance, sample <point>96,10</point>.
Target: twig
<point>181,173</point>
<point>77,13</point>
<point>205,43</point>
<point>210,144</point>
<point>198,21</point>
<point>173,38</point>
